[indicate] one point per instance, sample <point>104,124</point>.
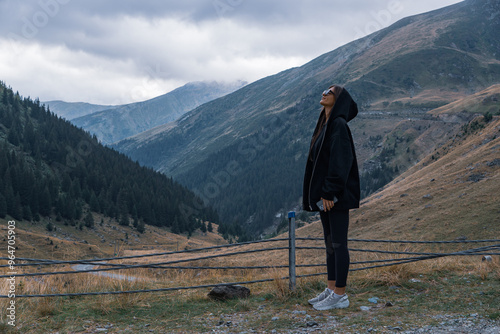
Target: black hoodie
<point>332,169</point>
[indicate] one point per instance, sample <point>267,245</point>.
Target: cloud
<point>114,52</point>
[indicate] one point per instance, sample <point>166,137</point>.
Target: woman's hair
<point>337,90</point>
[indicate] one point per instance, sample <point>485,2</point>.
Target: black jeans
<point>335,227</point>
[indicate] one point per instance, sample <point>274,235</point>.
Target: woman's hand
<point>327,204</point>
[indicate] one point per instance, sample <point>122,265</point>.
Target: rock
<point>365,308</point>
<point>394,328</point>
<point>373,300</point>
<point>487,258</point>
<point>428,196</point>
<point>224,292</point>
<point>312,324</point>
<point>493,163</point>
<point>275,319</point>
<point>476,177</point>
<point>395,288</point>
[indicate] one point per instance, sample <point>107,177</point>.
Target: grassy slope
<point>68,242</point>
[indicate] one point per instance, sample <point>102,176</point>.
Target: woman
<point>331,186</point>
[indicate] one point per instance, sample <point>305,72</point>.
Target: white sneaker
<point>332,301</point>
<point>322,296</point>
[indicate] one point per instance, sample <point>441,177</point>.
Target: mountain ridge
<point>122,121</point>
<point>71,110</point>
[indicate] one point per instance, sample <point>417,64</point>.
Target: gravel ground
<point>245,323</point>
<point>458,324</point>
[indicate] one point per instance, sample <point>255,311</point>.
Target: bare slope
<point>452,193</point>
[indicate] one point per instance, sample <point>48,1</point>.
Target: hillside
<point>52,170</point>
<point>119,122</point>
<point>244,153</point>
<point>450,194</point>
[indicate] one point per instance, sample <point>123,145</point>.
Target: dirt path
<point>80,267</point>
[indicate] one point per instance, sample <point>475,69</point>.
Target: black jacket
<point>332,169</point>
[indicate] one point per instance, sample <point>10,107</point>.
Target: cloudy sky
<point>122,51</point>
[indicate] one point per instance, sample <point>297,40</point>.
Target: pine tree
<point>17,210</point>
<point>27,215</point>
<point>3,206</point>
<point>124,220</point>
<point>140,227</point>
<point>89,220</point>
<point>94,203</point>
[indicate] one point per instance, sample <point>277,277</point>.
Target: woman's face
<point>327,99</point>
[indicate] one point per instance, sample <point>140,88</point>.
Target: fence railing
<point>292,266</point>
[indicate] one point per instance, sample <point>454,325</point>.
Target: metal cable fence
<point>292,266</point>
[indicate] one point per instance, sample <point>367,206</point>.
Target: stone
<point>373,300</point>
<point>365,308</point>
<point>312,324</point>
<point>224,292</point>
<point>487,258</point>
<point>476,177</point>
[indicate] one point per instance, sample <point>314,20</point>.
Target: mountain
<point>245,152</point>
<point>52,169</point>
<point>71,110</point>
<point>119,122</point>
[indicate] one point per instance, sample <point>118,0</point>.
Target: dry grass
<point>150,278</point>
<point>39,310</point>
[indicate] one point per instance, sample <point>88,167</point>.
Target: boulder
<point>223,292</point>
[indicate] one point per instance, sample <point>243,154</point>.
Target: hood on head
<point>344,106</point>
